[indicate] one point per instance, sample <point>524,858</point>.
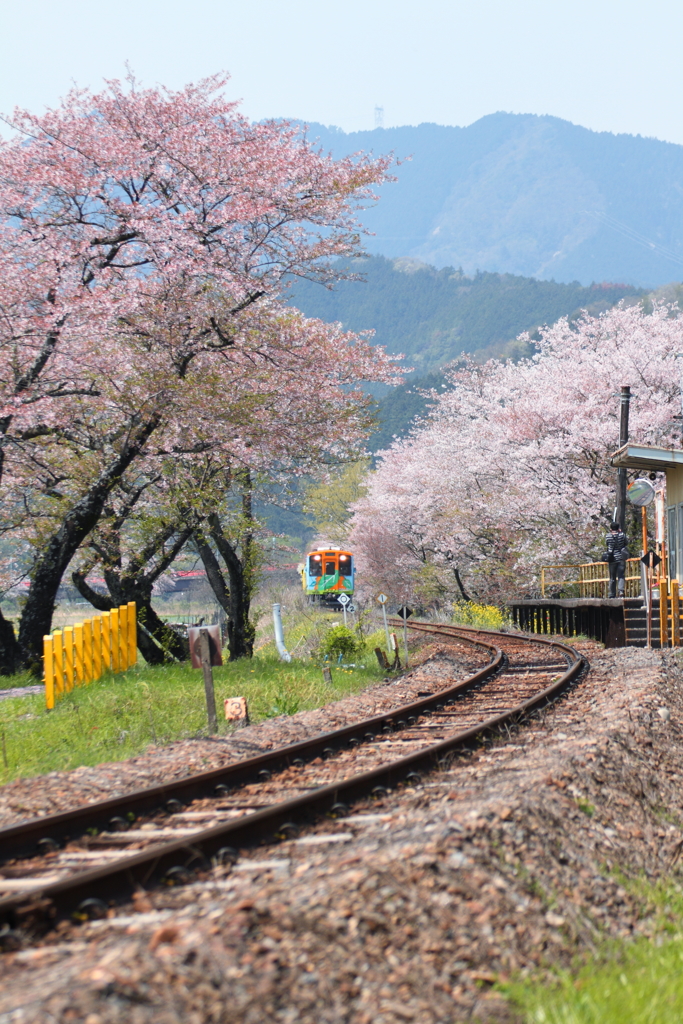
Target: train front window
<point>330,568</point>
<point>345,565</point>
<point>314,565</point>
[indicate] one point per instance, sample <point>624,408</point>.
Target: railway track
<point>80,862</point>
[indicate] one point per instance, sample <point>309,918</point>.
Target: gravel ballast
<point>62,790</point>
<point>411,908</point>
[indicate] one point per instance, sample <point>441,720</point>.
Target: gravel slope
<point>410,909</point>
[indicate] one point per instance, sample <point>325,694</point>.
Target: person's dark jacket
<point>617,547</point>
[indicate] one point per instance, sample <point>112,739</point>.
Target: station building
<point>651,611</point>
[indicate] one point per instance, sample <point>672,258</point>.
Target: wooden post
<point>122,637</point>
<point>205,653</point>
<point>105,625</point>
<point>114,649</point>
<point>58,663</point>
<point>132,634</point>
<point>96,625</point>
<point>675,615</point>
<point>394,646</point>
<point>87,651</point>
<point>663,613</point>
<point>79,675</point>
<point>49,664</point>
<point>68,658</point>
<point>381,658</point>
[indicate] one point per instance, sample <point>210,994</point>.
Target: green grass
<point>120,715</point>
<point>628,982</point>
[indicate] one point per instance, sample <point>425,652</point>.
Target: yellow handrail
<point>78,655</point>
<point>591,578</point>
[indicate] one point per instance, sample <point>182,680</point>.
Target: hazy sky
<point>610,65</point>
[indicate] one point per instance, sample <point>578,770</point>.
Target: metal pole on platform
<point>625,400</point>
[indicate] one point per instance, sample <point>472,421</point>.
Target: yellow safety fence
<point>670,609</point>
<point>588,580</point>
<point>80,654</point>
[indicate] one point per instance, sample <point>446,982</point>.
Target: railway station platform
<point>615,622</point>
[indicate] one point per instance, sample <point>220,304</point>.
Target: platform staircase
<point>635,623</point>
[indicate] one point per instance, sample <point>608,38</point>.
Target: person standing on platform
<point>616,555</point>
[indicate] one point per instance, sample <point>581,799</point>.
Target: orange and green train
<point>327,573</point>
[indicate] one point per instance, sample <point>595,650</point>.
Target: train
<point>326,574</point>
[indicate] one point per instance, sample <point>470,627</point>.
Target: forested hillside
<point>434,315</point>
<point>522,194</point>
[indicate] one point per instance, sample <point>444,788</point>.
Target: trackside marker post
<point>205,651</point>
<point>208,681</point>
<point>382,599</point>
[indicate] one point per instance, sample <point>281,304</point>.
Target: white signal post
<point>343,601</point>
<point>382,599</point>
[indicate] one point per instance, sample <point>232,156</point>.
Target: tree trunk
<point>456,573</point>
<point>124,588</point>
<point>10,652</point>
<point>237,600</point>
<point>150,651</point>
<point>213,572</point>
<point>36,619</point>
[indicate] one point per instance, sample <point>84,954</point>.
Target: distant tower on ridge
<point>379,117</point>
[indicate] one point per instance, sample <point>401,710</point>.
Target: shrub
<point>340,640</point>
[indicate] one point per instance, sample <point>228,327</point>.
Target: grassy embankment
<point>119,716</point>
<point>627,982</point>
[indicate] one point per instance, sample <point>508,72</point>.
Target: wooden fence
<point>80,654</point>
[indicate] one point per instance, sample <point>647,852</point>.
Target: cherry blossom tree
<point>511,468</point>
<point>292,407</point>
<point>140,230</point>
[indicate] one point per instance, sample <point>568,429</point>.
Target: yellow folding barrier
<point>80,654</point>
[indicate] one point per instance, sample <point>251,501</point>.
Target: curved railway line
<point>80,862</point>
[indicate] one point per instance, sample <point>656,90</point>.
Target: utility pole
<point>623,439</point>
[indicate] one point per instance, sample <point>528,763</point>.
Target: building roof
<point>643,456</point>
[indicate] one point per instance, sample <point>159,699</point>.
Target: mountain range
<point>527,195</point>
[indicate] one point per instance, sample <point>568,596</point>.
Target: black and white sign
<point>350,607</point>
<point>343,599</point>
<point>382,598</point>
<point>405,612</point>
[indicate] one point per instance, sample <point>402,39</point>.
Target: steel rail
<point>21,839</point>
<point>445,629</point>
<point>118,881</point>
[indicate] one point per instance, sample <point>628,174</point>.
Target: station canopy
<point>643,456</point>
